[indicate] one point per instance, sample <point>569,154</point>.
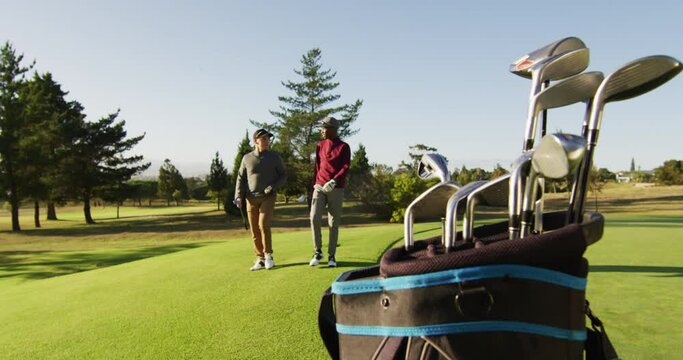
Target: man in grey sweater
<point>260,175</point>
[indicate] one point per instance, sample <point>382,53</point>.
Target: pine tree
<point>12,121</point>
<point>100,161</point>
<point>359,170</point>
<point>243,148</point>
<point>633,164</point>
<point>218,180</point>
<point>49,117</point>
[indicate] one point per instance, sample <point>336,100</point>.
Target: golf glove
<point>318,187</point>
<point>268,190</point>
<point>327,188</point>
<point>237,202</point>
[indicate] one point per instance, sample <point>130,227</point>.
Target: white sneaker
<point>269,261</point>
<point>332,262</point>
<point>258,265</point>
<point>316,259</point>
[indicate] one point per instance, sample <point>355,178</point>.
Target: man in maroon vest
<point>332,158</point>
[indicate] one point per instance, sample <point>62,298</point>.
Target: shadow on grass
<point>286,216</point>
<point>667,271</point>
<point>35,265</point>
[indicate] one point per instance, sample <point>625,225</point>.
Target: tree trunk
<point>51,211</point>
<point>218,203</point>
<point>36,213</point>
<point>118,205</point>
<point>86,209</point>
<point>14,201</point>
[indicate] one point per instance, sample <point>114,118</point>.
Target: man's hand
<point>268,190</point>
<point>237,203</point>
<point>318,187</point>
<point>327,188</point>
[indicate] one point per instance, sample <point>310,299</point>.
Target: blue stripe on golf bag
<point>456,276</point>
<point>464,327</point>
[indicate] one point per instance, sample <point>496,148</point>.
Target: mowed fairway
<point>175,284</point>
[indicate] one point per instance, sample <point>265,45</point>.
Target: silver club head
<point>557,67</point>
<point>633,79</point>
<point>429,204</point>
<point>577,88</point>
<point>558,155</point>
<point>493,193</point>
<point>456,205</point>
<point>522,66</point>
<point>433,165</point>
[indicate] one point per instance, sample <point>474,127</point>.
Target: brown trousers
<point>260,212</point>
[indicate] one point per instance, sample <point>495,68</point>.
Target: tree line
<point>49,153</point>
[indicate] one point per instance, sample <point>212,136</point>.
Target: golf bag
<point>488,299</point>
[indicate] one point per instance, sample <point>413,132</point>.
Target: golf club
<point>554,68</point>
<point>518,176</point>
<point>433,165</point>
<point>580,87</point>
<point>633,79</point>
<point>493,193</point>
<point>522,66</point>
<point>432,202</point>
<point>456,205</point>
<point>556,156</point>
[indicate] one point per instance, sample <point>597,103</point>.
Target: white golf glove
<point>327,188</point>
<point>237,202</point>
<point>268,190</point>
<point>318,187</point>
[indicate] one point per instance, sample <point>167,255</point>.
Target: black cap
<point>262,132</point>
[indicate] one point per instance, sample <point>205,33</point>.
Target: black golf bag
<point>493,298</point>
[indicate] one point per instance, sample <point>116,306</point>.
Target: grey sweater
<point>258,171</point>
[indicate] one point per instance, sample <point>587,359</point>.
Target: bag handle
<point>327,324</point>
<point>598,346</point>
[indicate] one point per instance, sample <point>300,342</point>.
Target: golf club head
<point>522,66</point>
<point>433,165</point>
<point>579,87</point>
<point>456,205</point>
<point>558,155</point>
<point>633,79</point>
<point>431,203</point>
<point>561,65</point>
<point>576,88</point>
<point>493,193</point>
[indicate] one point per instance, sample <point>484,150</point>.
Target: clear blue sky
<point>191,74</point>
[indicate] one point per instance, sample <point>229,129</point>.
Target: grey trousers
<point>333,202</point>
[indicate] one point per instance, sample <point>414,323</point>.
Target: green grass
<point>173,283</point>
<point>636,284</point>
<point>197,303</point>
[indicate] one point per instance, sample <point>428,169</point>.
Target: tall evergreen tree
<point>99,159</point>
<point>359,171</point>
<point>12,121</point>
<point>299,116</point>
<point>166,187</point>
<point>48,119</point>
<point>218,180</point>
<point>633,164</point>
<point>243,148</point>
